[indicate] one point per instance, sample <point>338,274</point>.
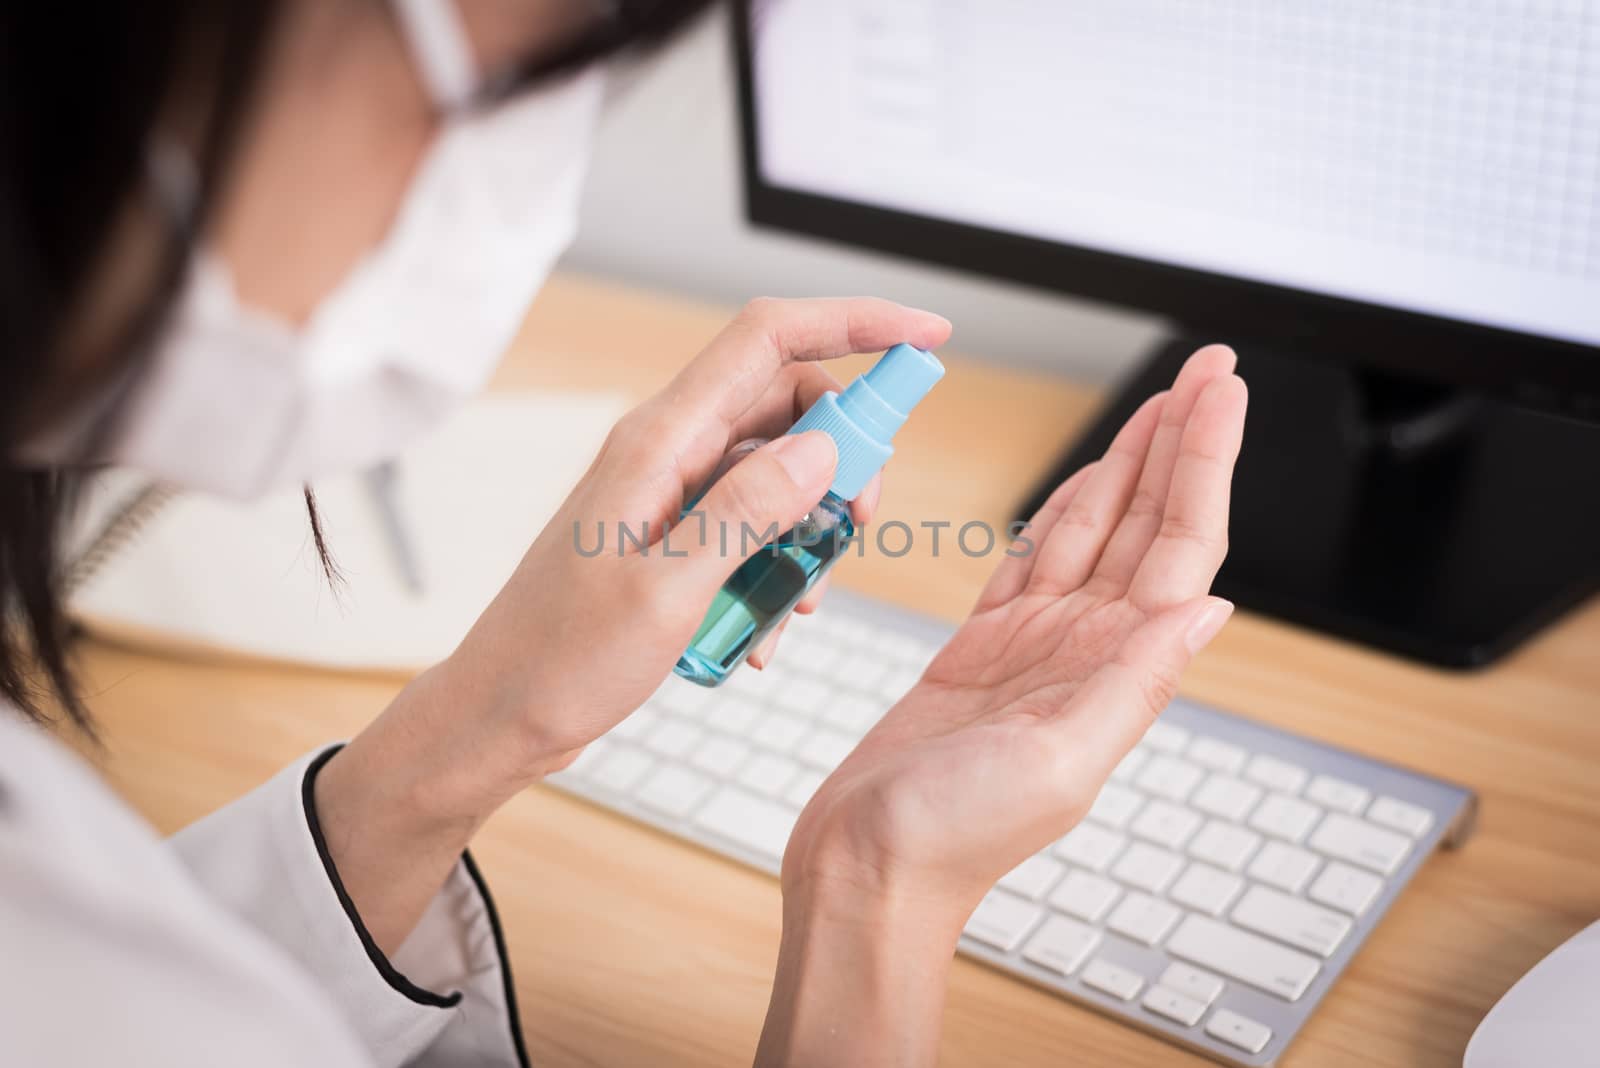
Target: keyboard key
<point>1291,920</point>
<point>673,790</point>
<point>801,641</point>
<point>852,713</point>
<point>1226,797</point>
<point>1239,1031</point>
<point>820,658</point>
<point>1033,877</point>
<point>1224,845</point>
<point>756,823</point>
<point>919,654</point>
<point>851,631</point>
<point>1115,805</point>
<point>621,768</point>
<point>1129,765</point>
<point>1359,842</point>
<point>860,671</point>
<point>1249,958</point>
<point>897,683</point>
<point>1166,737</point>
<point>1400,815</point>
<point>759,686</point>
<point>778,732</point>
<point>1143,918</point>
<point>1218,756</point>
<point>1165,824</point>
<point>1121,983</point>
<point>1283,817</point>
<point>1085,895</point>
<point>636,726</point>
<point>1090,847</point>
<point>674,738</point>
<point>1147,867</point>
<point>802,786</point>
<point>734,715</point>
<point>767,773</point>
<point>1337,794</point>
<point>719,755</point>
<point>684,699</point>
<point>1275,774</point>
<point>1345,888</point>
<point>1173,1005</point>
<point>1191,982</point>
<point>1283,866</point>
<point>1205,889</point>
<point>904,648</point>
<point>1061,944</point>
<point>592,754</point>
<point>825,749</point>
<point>803,696</point>
<point>1169,777</point>
<point>1001,920</point>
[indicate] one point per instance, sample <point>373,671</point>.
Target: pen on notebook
<point>381,482</point>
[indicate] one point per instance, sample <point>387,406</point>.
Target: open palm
<point>1066,659</point>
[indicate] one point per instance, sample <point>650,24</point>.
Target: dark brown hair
<point>80,97</point>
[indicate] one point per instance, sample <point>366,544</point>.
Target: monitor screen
<point>1433,156</point>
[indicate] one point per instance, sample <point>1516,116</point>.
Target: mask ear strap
<point>441,51</point>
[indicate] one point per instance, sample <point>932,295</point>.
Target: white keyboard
<point>1222,881</point>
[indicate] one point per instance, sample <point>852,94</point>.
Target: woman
<point>249,244</point>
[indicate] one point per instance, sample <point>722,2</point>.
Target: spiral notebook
<point>196,574</point>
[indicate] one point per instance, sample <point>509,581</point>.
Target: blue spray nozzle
<point>902,377</point>
<point>864,418</point>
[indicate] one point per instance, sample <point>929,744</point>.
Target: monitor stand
<point>1440,526</point>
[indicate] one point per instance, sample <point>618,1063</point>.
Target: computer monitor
<point>1392,210</point>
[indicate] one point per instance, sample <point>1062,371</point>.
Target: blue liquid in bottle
<point>764,589</point>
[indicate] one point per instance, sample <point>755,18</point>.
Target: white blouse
<point>230,943</point>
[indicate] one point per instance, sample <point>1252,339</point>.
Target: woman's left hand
<point>1068,656</point>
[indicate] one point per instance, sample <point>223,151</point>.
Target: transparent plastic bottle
<point>764,589</point>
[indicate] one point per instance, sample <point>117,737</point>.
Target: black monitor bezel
<point>1543,372</point>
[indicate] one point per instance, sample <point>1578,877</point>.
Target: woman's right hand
<point>579,638</point>
<point>576,641</point>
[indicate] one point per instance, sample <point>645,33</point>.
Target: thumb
<point>759,498</point>
<point>1118,703</point>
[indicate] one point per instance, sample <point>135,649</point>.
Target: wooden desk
<point>632,949</point>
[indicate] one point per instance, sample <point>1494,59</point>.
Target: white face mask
<point>236,401</point>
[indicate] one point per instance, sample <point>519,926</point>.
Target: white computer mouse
<point>1551,1018</point>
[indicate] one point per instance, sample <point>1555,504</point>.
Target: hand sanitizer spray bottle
<point>862,420</point>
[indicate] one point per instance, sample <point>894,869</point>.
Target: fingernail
<point>1206,623</point>
<point>809,458</point>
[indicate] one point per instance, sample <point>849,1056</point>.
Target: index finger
<point>736,368</point>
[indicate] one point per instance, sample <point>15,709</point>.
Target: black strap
<point>381,962</point>
<point>390,973</point>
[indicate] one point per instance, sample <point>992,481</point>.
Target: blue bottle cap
<point>863,419</point>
